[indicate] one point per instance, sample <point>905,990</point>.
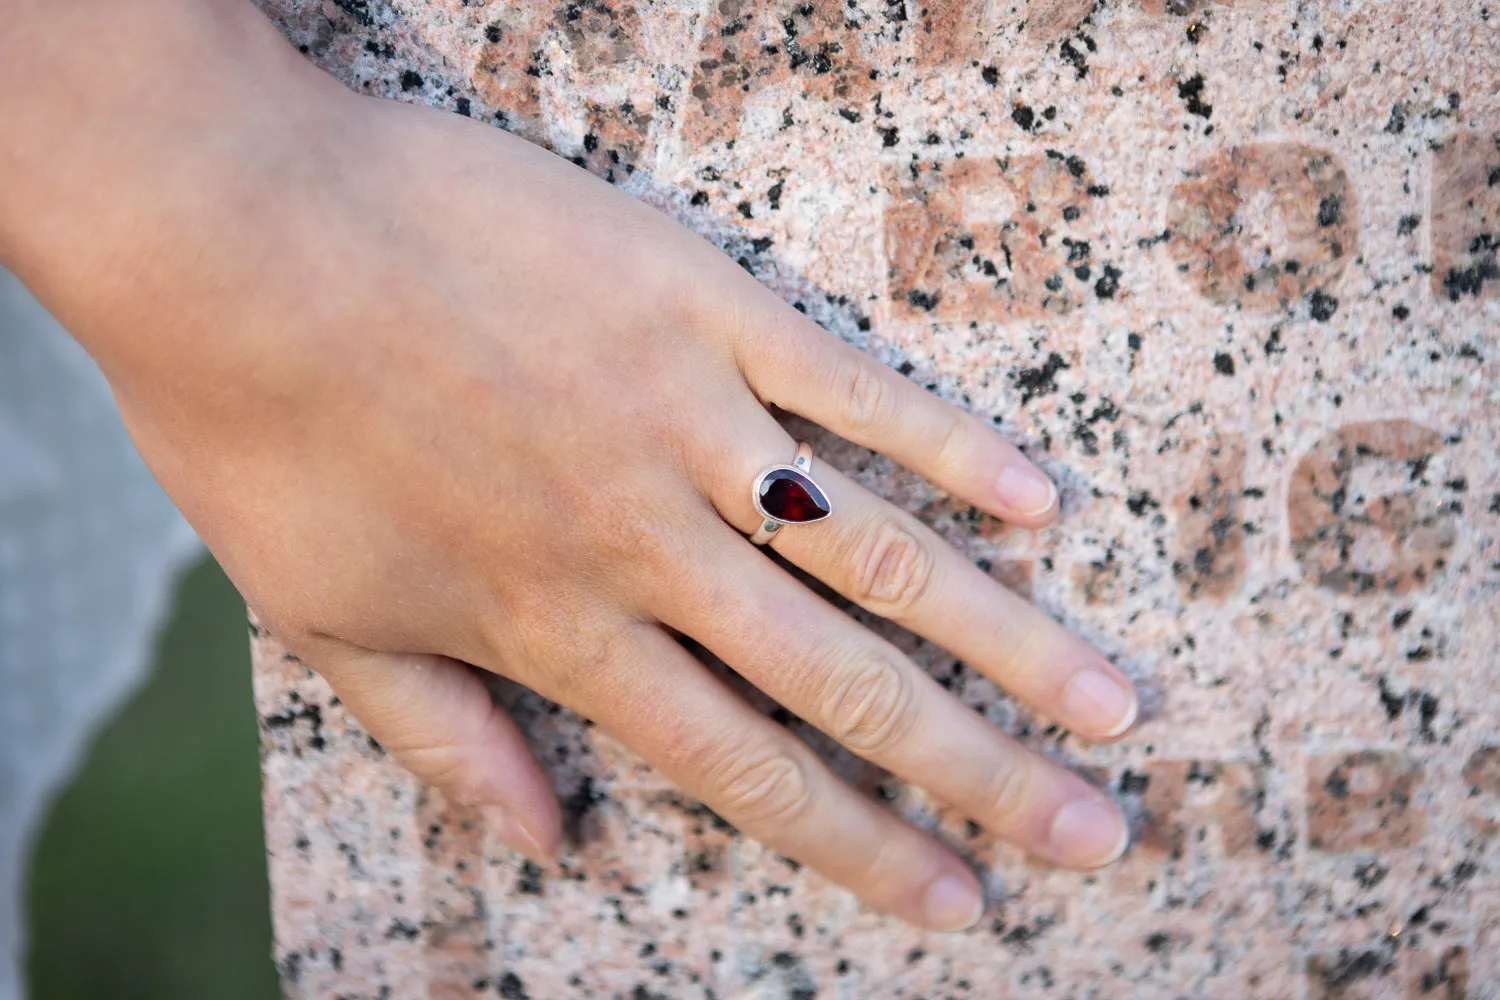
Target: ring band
<point>787,494</point>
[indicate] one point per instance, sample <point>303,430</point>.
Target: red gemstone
<point>788,495</point>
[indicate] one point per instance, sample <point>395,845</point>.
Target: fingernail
<point>953,903</point>
<point>514,834</point>
<point>1096,703</point>
<point>1088,833</point>
<point>1026,490</point>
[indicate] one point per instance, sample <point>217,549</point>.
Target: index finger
<point>794,364</point>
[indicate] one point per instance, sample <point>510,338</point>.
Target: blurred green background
<point>148,879</point>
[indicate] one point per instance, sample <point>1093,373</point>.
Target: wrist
<point>134,123</point>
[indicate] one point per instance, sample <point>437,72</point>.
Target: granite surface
<point>1228,270</point>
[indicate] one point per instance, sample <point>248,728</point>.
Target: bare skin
<point>441,402</point>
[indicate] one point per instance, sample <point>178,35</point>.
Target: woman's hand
<point>436,397</point>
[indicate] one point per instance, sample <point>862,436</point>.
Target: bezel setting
<point>799,478</point>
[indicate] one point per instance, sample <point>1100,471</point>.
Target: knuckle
<point>893,568</point>
<point>570,657</point>
<point>872,706</point>
<point>1007,797</point>
<point>865,397</point>
<point>443,765</point>
<point>764,788</point>
<point>632,531</point>
<point>952,444</point>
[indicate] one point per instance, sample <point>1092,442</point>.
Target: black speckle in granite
<point>463,107</point>
<point>1190,91</point>
<point>403,929</point>
<point>410,80</point>
<point>1078,60</point>
<point>699,198</point>
<point>357,9</point>
<point>1459,282</point>
<point>926,301</point>
<point>1098,190</point>
<point>888,136</point>
<point>1349,968</point>
<point>1106,286</point>
<point>1408,225</point>
<point>1022,937</point>
<point>1134,782</point>
<point>1321,306</point>
<point>577,806</point>
<point>1427,708</point>
<point>530,882</point>
<point>1370,874</point>
<point>1223,364</point>
<point>774,194</point>
<point>1330,210</point>
<point>1396,123</point>
<point>1393,703</point>
<point>1400,312</point>
<point>290,967</point>
<point>511,987</point>
<point>288,718</point>
<point>1023,116</point>
<point>1076,166</point>
<point>1158,943</point>
<point>1337,784</point>
<point>990,75</point>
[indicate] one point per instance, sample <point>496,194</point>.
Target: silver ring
<point>786,494</point>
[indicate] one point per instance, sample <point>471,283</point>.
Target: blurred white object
<point>89,548</point>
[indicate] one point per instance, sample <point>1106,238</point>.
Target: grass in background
<point>148,880</point>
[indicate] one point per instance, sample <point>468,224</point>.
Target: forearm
<point>131,126</point>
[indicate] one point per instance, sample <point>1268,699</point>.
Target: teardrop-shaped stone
<point>788,495</point>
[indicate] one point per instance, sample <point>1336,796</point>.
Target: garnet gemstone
<point>788,495</point>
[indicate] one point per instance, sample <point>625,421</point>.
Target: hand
<point>437,398</point>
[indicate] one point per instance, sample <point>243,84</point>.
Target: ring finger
<point>891,564</point>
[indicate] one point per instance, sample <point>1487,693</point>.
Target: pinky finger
<point>436,718</point>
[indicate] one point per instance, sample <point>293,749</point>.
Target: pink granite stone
<point>1228,271</point>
